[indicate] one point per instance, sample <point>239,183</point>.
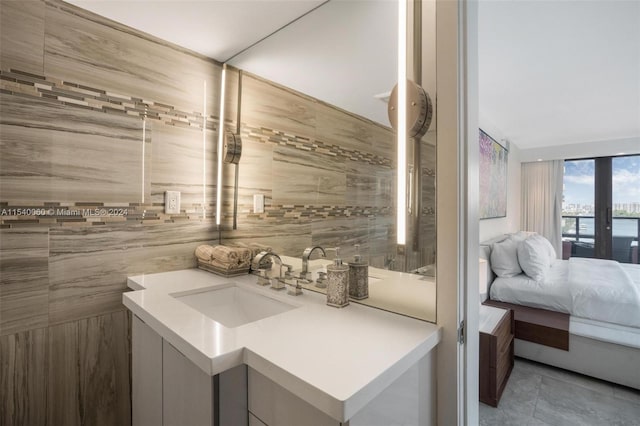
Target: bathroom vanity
<point>209,350</point>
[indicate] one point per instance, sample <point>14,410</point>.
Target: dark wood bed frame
<point>540,326</point>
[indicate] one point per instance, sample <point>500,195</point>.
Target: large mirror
<point>317,144</point>
<point>318,161</point>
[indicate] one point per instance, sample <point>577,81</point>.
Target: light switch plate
<point>258,203</point>
<point>172,202</point>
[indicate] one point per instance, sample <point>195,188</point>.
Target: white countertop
<point>335,359</point>
<point>406,293</point>
<point>489,318</point>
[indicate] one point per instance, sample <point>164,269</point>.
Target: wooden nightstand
<point>496,352</point>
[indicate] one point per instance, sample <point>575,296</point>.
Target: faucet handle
<point>287,273</point>
<point>295,289</point>
<point>321,282</point>
<point>306,277</point>
<point>263,279</point>
<point>334,249</point>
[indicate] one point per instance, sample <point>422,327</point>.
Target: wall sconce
<point>204,150</point>
<point>401,176</point>
<point>410,112</point>
<point>220,146</point>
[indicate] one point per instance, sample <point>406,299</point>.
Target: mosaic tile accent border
<point>21,83</point>
<point>94,214</point>
<point>26,84</point>
<point>296,212</point>
<point>278,137</point>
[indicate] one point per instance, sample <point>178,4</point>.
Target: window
<point>601,208</point>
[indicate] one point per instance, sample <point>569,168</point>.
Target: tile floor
<point>540,395</point>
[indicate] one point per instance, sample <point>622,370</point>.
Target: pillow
<point>534,258</point>
<point>522,235</point>
<point>504,258</point>
<point>550,250</point>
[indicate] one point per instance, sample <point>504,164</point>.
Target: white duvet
<point>602,290</point>
<point>596,289</point>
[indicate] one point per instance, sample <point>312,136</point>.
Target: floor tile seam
<point>535,405</point>
<point>580,385</point>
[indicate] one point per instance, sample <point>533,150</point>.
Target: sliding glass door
<point>625,224</point>
<point>578,209</point>
<point>601,208</point>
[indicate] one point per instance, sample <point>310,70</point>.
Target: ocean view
<point>621,227</point>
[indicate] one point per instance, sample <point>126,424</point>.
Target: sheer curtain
<point>542,200</point>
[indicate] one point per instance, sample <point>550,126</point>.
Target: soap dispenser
<point>338,282</point>
<point>358,277</point>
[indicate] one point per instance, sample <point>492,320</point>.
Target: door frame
<point>457,242</point>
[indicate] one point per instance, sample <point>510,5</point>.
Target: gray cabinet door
<point>276,406</point>
<point>146,372</point>
<point>187,397</point>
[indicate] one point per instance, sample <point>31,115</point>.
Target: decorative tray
<point>224,272</point>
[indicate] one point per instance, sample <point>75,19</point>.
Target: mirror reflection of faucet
<point>321,282</point>
<point>305,275</point>
<point>389,262</point>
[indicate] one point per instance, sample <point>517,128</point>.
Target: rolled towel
<point>256,248</point>
<point>222,265</point>
<point>204,252</point>
<point>225,254</point>
<point>244,257</point>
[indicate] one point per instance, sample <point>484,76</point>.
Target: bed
<point>604,316</point>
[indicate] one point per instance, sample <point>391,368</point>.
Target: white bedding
<point>551,294</point>
<point>603,290</point>
<point>585,288</point>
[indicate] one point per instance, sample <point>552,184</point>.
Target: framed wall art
<point>493,177</point>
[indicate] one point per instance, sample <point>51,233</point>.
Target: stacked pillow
<point>504,258</point>
<point>519,253</point>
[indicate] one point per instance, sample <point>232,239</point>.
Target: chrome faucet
<point>305,274</point>
<point>279,282</point>
<point>257,266</point>
<point>263,256</point>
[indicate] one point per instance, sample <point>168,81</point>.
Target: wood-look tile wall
<point>328,178</point>
<point>96,122</point>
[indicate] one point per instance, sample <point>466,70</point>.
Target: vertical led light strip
<point>220,146</point>
<point>144,138</point>
<point>204,150</point>
<point>401,201</point>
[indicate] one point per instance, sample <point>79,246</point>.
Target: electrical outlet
<point>172,202</point>
<point>258,203</point>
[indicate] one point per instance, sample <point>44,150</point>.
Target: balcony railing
<point>578,232</point>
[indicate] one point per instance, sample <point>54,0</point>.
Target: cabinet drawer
<point>503,330</point>
<point>501,338</point>
<point>496,359</point>
<point>504,362</point>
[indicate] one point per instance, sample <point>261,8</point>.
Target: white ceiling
<point>560,72</point>
<point>343,53</point>
<point>551,72</point>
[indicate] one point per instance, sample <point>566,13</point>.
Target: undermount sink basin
<point>233,306</point>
